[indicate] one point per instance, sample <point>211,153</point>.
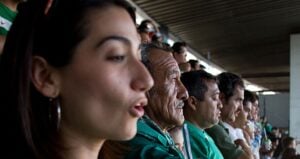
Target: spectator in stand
<point>255,125</point>
<point>180,53</point>
<point>61,94</point>
<point>287,143</point>
<point>289,153</point>
<point>195,65</point>
<point>241,124</point>
<point>202,111</point>
<point>231,95</point>
<point>149,32</point>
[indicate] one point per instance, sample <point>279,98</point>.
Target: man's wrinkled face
<point>167,96</point>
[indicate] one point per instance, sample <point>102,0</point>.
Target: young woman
<point>71,77</point>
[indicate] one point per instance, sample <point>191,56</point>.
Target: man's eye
<point>215,97</point>
<point>116,58</point>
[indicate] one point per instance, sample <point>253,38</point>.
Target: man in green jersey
<point>201,111</point>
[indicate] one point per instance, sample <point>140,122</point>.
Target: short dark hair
<point>195,82</point>
<point>287,141</point>
<point>227,82</point>
<point>177,47</point>
<point>289,153</point>
<point>193,63</point>
<point>248,97</point>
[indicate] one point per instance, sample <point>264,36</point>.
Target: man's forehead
<point>183,49</point>
<point>161,57</point>
<point>239,89</point>
<point>212,85</point>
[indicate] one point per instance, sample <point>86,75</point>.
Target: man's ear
<point>44,77</point>
<point>192,102</point>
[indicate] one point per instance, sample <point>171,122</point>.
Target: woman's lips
<point>137,111</point>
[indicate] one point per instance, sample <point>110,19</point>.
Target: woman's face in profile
<point>103,88</point>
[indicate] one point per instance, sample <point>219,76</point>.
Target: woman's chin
<point>128,134</point>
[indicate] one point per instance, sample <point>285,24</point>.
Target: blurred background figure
<point>180,53</point>
<point>8,12</point>
<point>195,65</point>
<point>149,32</point>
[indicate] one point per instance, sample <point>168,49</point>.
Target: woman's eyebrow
<point>116,38</point>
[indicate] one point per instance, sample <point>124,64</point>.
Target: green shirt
<point>7,17</point>
<point>151,142</point>
<point>202,145</point>
<point>223,141</point>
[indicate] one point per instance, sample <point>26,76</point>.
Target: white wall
<point>295,86</point>
<point>276,108</point>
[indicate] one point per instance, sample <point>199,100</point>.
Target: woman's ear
<point>192,102</point>
<point>44,77</point>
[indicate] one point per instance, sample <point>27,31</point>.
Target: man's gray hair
<point>146,48</point>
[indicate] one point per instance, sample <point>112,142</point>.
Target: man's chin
<point>180,122</point>
<point>232,119</point>
<point>216,121</point>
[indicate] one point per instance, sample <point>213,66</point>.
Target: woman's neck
<point>79,146</point>
<point>82,152</point>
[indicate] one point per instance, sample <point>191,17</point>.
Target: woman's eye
<point>116,58</point>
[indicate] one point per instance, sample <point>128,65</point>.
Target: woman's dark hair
<point>54,35</point>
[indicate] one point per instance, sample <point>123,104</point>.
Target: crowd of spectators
<point>72,87</point>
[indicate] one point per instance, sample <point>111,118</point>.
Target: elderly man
<point>202,111</point>
<point>164,110</point>
<point>231,95</point>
